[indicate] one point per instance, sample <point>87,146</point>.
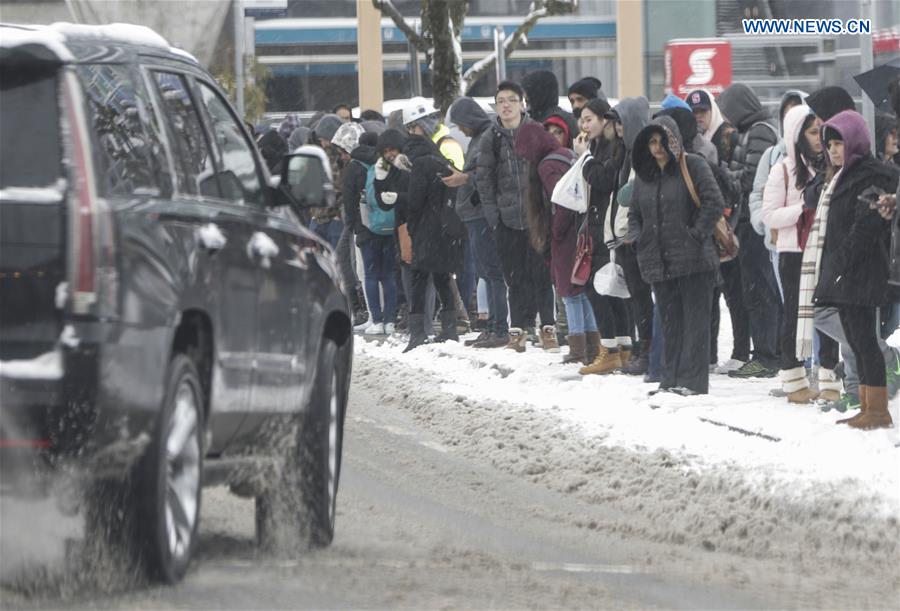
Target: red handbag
<point>581,271</point>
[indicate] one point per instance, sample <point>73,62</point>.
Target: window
<point>193,165</point>
<point>128,162</point>
<point>30,146</point>
<point>238,178</point>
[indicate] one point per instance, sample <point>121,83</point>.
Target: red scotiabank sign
<point>700,63</point>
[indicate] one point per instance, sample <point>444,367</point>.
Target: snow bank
<point>663,475</point>
<point>778,448</point>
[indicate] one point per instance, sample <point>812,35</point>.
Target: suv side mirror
<point>306,179</point>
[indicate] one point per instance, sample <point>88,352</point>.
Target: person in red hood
<point>557,227</point>
<point>558,128</point>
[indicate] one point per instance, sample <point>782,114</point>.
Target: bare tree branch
<point>539,10</point>
<point>387,8</point>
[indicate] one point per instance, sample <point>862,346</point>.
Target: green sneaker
<point>844,404</point>
<point>753,369</point>
<point>893,373</point>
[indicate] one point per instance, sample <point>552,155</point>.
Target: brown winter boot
<point>547,338</point>
<point>576,350</point>
<point>517,339</point>
<point>607,361</point>
<point>624,354</point>
<point>795,384</point>
<point>876,415</point>
<point>591,346</point>
<point>829,386</point>
<point>863,401</point>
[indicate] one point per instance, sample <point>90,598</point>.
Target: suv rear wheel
<point>169,477</point>
<point>300,508</point>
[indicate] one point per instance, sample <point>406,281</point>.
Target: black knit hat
<point>829,101</point>
<point>390,139</point>
<point>588,87</point>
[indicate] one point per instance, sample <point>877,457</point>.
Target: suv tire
<point>168,481</point>
<point>301,507</point>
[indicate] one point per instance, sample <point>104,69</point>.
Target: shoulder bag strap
<point>686,175</point>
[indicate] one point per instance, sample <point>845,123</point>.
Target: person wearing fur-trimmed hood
<point>675,250</point>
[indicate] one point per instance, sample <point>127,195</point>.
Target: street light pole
<point>866,63</point>
<point>500,64</point>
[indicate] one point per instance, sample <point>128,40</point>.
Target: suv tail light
<point>91,254</point>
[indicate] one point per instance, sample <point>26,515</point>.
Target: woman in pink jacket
<point>783,216</point>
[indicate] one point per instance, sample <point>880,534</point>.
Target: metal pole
<point>866,62</point>
<point>500,64</point>
<point>238,8</point>
<point>415,73</point>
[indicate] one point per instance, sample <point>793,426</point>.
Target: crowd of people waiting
<point>791,219</point>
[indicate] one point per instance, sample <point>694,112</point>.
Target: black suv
<point>166,320</point>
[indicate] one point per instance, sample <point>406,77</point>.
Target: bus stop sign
<point>699,63</point>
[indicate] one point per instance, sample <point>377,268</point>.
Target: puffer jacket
<point>502,178</point>
<point>672,235</point>
<point>354,186</point>
<point>855,257</point>
<point>783,203</point>
<point>466,112</point>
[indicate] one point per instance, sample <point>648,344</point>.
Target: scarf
<point>809,272</point>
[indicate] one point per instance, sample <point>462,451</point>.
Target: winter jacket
<point>634,114</point>
<point>601,172</point>
<point>354,186</point>
<point>742,108</point>
<point>502,178</point>
<point>467,113</point>
<point>673,236</point>
<point>854,268</point>
<point>536,144</point>
<point>433,249</point>
<point>783,203</point>
<point>327,214</point>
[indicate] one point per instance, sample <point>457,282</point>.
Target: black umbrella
<point>876,81</point>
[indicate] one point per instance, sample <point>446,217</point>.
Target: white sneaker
<point>362,327</point>
<point>389,328</point>
<point>375,329</point>
<point>729,365</point>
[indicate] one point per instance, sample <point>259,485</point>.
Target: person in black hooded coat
<point>542,91</point>
<point>437,237</point>
<point>675,250</point>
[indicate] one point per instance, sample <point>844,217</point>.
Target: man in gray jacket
<point>502,181</point>
<point>475,123</point>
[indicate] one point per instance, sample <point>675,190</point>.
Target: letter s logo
<point>701,68</point>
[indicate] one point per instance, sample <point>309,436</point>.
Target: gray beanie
<point>327,127</point>
<point>429,124</point>
<point>298,137</point>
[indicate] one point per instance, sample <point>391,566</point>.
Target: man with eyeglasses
<point>502,180</point>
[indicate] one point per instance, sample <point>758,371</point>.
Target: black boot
<point>417,335</point>
<point>448,327</point>
<point>639,362</point>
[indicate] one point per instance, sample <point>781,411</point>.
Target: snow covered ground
<point>789,452</point>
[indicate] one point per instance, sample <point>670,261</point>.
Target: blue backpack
<point>376,220</point>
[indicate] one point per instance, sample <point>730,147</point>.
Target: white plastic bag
<point>609,280</point>
<point>571,191</point>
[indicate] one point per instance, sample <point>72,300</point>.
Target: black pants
<point>641,300</point>
<point>859,324</point>
<point>684,305</point>
<point>789,269</point>
<point>420,286</point>
<point>528,277</point>
<point>734,299</point>
<point>611,314</point>
<point>760,294</point>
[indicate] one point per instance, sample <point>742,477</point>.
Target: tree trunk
<point>442,22</point>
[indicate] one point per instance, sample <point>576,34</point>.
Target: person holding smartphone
<point>846,259</point>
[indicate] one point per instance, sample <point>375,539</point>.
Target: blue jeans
<point>580,314</point>
<point>466,280</point>
<point>330,231</point>
<point>487,262</point>
<point>379,257</point>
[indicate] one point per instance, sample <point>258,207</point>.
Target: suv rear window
<point>30,146</point>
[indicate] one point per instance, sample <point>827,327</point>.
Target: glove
<point>389,198</point>
<point>402,162</point>
<point>381,172</point>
